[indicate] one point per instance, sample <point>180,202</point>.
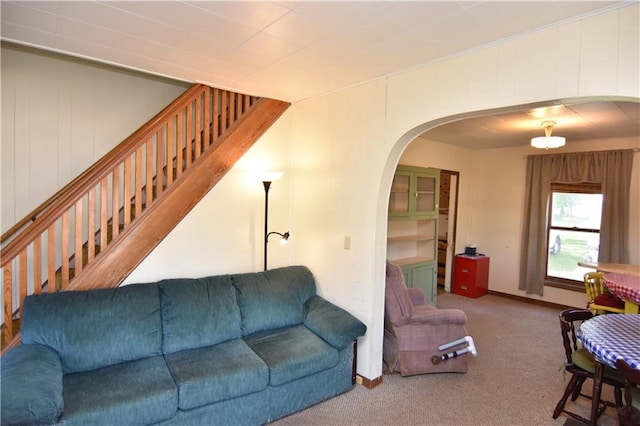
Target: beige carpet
<point>516,379</point>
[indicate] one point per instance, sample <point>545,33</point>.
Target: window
<point>573,230</point>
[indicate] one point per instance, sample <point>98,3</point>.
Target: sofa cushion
<point>96,328</point>
<point>273,299</point>
<point>31,383</point>
<point>216,373</point>
<point>293,352</point>
<point>135,392</point>
<point>198,312</point>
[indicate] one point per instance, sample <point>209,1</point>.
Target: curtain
<point>612,169</point>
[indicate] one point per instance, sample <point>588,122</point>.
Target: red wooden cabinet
<point>471,275</point>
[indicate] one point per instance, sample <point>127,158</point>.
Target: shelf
<point>412,227</point>
<point>404,238</point>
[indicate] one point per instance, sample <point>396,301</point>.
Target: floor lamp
<point>267,181</point>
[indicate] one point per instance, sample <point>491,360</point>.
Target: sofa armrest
<point>335,325</point>
<point>427,314</point>
<point>31,383</point>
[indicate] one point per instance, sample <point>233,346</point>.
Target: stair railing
<point>71,228</point>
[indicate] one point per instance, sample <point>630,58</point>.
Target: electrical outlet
<point>347,242</point>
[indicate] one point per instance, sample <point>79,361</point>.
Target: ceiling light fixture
<point>547,141</point>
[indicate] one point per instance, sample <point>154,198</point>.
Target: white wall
<point>339,152</point>
<point>558,63</point>
<point>60,115</point>
<point>224,233</point>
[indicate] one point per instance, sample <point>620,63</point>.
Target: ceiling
<point>294,50</point>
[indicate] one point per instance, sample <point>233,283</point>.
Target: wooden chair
<point>629,414</point>
<point>598,301</point>
<point>581,364</point>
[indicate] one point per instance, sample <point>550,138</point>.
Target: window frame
<point>572,188</point>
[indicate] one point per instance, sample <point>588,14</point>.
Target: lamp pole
<point>267,185</point>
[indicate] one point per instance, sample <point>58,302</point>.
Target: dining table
<point>622,268</point>
<point>626,287</point>
<point>609,338</point>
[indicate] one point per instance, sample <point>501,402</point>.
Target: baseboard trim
<point>530,301</point>
<point>368,383</point>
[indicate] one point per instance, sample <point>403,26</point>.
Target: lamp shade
<point>271,176</point>
<point>546,142</point>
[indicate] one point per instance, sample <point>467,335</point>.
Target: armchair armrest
<point>335,325</point>
<point>429,315</point>
<point>417,296</point>
<point>31,383</point>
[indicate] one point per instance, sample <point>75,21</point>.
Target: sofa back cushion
<point>198,312</point>
<point>95,328</point>
<point>273,299</point>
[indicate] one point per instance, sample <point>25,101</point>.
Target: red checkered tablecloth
<point>625,286</point>
<point>613,336</point>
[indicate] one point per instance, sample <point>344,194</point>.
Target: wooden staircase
<point>114,214</point>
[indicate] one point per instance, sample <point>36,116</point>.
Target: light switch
<point>347,242</point>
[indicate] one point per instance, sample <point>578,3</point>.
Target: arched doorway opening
<point>468,223</point>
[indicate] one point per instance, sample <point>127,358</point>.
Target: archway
<point>401,145</point>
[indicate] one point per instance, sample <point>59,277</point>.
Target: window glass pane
<point>567,248</point>
<point>582,212</point>
<point>576,210</point>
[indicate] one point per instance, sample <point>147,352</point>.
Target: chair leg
<point>571,386</point>
<point>578,389</point>
<point>617,392</point>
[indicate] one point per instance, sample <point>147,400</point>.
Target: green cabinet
<point>414,193</point>
<point>412,232</point>
<point>423,276</point>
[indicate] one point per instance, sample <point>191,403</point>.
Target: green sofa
<point>230,349</point>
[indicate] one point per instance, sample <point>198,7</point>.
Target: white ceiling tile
<point>88,33</point>
<point>21,14</point>
<point>188,18</point>
<point>255,14</point>
<point>45,6</point>
<point>293,50</point>
<point>267,45</point>
<point>412,14</point>
<point>21,34</point>
<point>295,29</point>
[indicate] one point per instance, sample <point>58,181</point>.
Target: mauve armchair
<point>413,330</point>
